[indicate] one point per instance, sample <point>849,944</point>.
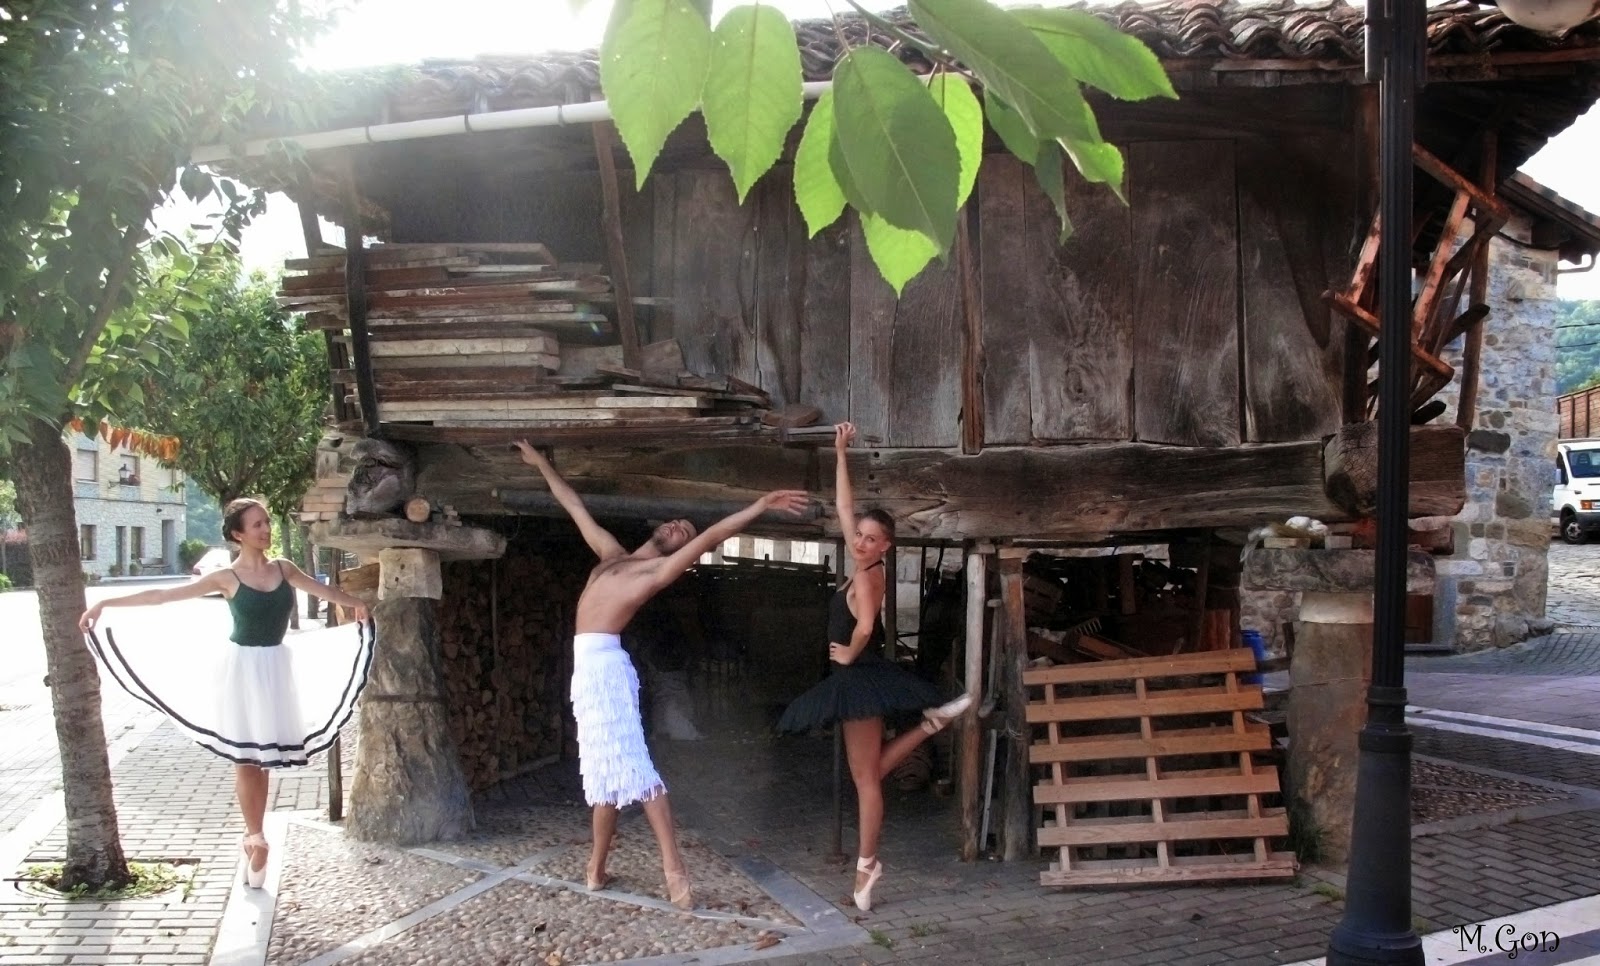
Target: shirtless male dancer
<point>612,756</point>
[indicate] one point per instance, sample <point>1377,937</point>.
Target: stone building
<point>131,511</point>
<point>1491,588</point>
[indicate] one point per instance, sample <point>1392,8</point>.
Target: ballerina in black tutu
<point>864,686</point>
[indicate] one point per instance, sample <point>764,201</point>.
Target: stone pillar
<point>1329,676</point>
<point>409,786</point>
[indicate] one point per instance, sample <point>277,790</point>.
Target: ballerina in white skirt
<point>258,702</point>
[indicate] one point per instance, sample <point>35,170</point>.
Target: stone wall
<point>1491,591</point>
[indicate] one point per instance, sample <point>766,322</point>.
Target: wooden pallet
<point>1151,771</point>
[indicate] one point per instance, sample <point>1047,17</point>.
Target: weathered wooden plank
<point>1193,741</point>
<point>1272,823</point>
<point>1132,787</point>
<point>825,323</point>
<point>463,347</point>
<point>1119,872</point>
<point>1066,309</point>
<point>1156,704</point>
<point>905,353</point>
<point>1295,212</point>
<point>1177,665</point>
<point>780,281</point>
<point>714,276</point>
<point>1002,240</point>
<point>616,250</point>
<point>1186,349</point>
<point>663,254</point>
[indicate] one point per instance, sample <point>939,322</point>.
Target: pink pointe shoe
<point>874,870</point>
<point>935,719</point>
<point>251,844</point>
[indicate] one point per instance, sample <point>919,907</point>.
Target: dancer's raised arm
<point>686,556</point>
<point>599,538</point>
<point>844,494</point>
<point>216,582</point>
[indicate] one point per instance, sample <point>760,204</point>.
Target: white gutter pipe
<point>588,112</point>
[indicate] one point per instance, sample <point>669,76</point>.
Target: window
<point>138,544</point>
<point>86,541</point>
<point>1585,463</point>
<point>86,465</point>
<point>128,473</point>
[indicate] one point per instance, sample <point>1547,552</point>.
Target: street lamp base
<point>1347,947</point>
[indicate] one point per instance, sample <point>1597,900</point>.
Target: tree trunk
<point>44,489</point>
<point>309,553</point>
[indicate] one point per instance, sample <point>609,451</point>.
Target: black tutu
<point>870,687</point>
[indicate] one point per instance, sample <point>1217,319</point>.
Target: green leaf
<point>1099,162</point>
<point>752,92</point>
<point>899,254</point>
<point>816,190</point>
<point>1013,130</point>
<point>1009,60</point>
<point>896,146</point>
<point>1099,54</point>
<point>653,65</point>
<point>954,96</point>
<point>1052,178</point>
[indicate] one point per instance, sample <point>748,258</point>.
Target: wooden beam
<point>700,512</point>
<point>355,267</point>
<point>1472,351</point>
<point>971,779</point>
<point>616,247</point>
<point>972,409</point>
<point>891,603</point>
<point>1438,470</point>
<point>1016,791</point>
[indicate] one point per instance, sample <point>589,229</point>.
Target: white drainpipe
<point>588,112</point>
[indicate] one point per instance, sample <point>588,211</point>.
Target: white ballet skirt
<point>612,757</point>
<point>272,706</point>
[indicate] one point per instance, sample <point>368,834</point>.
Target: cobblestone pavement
<point>749,796</point>
<point>1573,599</point>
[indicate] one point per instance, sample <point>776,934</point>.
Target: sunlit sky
<point>373,32</point>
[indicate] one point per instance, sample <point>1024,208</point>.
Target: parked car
<point>1576,501</point>
<point>217,558</point>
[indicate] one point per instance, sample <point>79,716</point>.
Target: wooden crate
<point>1151,771</point>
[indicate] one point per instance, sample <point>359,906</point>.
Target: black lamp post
<point>1377,924</point>
<point>1377,928</point>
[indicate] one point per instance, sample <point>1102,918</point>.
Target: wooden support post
<point>1016,790</point>
<point>616,248</point>
<point>1472,352</point>
<point>355,289</point>
<point>285,530</point>
<point>972,413</point>
<point>1201,587</point>
<point>891,603</point>
<point>836,839</point>
<point>971,781</point>
<point>335,750</point>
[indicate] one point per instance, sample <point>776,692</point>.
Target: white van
<point>1575,505</point>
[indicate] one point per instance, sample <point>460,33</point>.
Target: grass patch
<point>881,939</point>
<point>1330,892</point>
<point>1305,836</point>
<point>922,930</point>
<point>149,879</point>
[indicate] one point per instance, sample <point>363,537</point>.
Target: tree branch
<point>108,303</point>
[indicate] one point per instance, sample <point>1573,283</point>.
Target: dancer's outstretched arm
<point>216,582</point>
<point>600,540</point>
<point>686,556</point>
<point>300,580</point>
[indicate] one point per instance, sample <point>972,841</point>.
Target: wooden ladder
<point>1447,271</point>
<point>1167,778</point>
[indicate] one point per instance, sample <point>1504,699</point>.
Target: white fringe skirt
<point>269,706</point>
<point>612,757</point>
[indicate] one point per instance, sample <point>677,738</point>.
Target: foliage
<point>202,515</point>
<point>189,553</point>
<point>104,103</point>
<point>244,396</point>
<point>898,147</point>
<point>5,582</point>
<point>8,506</point>
<point>1577,345</point>
<point>149,879</point>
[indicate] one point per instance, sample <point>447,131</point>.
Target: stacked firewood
<point>504,632</point>
<point>474,343</point>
